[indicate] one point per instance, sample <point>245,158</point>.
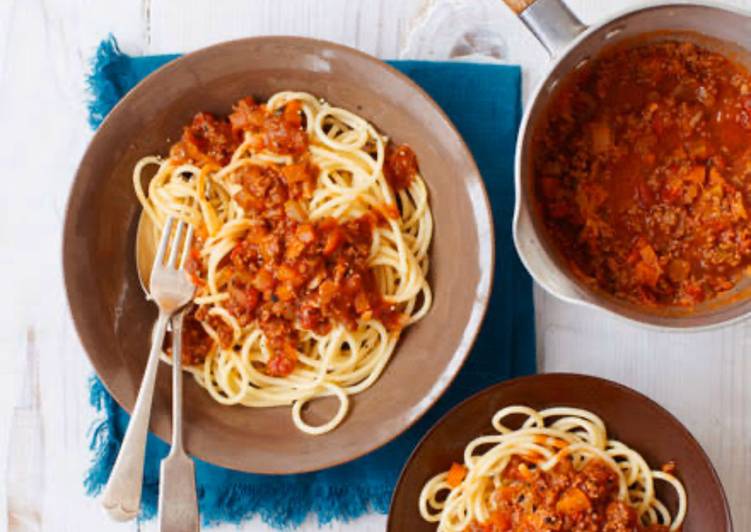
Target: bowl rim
<point>497,388</point>
<point>74,288</point>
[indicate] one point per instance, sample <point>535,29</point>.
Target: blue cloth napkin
<point>484,103</point>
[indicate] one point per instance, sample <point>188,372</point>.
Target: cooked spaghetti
<point>558,471</point>
<point>311,253</point>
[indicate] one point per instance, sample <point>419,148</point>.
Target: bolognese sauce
<point>288,271</point>
<point>642,172</point>
<point>562,499</point>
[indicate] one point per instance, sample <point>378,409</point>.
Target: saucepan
<point>571,44</point>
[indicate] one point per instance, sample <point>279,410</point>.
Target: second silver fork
<point>178,503</point>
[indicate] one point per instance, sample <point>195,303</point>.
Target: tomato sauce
<point>206,140</point>
<point>288,272</point>
<point>642,173</point>
<point>562,499</point>
<point>196,343</point>
<point>400,166</point>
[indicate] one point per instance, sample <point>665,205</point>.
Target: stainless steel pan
<point>571,44</point>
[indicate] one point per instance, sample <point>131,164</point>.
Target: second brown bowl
<point>629,417</point>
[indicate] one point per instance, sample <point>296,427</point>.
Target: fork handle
<point>122,495</point>
<point>178,503</point>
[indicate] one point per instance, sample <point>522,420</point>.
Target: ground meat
<point>642,173</point>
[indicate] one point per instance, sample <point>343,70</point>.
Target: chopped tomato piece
<point>400,166</point>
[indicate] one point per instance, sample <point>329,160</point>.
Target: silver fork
<point>178,503</point>
<point>171,289</point>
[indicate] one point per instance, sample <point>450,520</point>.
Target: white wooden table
<point>705,379</point>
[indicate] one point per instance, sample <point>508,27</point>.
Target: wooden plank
<point>45,55</point>
<point>375,27</point>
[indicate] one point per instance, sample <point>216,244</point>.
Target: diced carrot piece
<point>295,173</point>
<point>697,175</point>
<point>327,291</point>
<point>573,501</point>
<point>292,113</point>
<point>285,292</point>
<point>648,254</point>
<point>646,274</point>
<point>678,270</point>
<point>388,211</point>
<point>305,233</point>
<point>287,273</point>
<point>715,178</point>
<point>501,521</point>
<point>602,137</point>
<point>294,249</point>
<point>263,281</point>
<point>294,210</point>
<point>333,240</point>
<point>456,474</point>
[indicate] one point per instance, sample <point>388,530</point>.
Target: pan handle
<point>551,21</point>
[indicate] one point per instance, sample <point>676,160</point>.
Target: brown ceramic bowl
<point>114,320</point>
<point>629,417</point>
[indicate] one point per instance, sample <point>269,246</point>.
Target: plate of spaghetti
<point>340,224</point>
<point>311,250</point>
<point>559,452</point>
